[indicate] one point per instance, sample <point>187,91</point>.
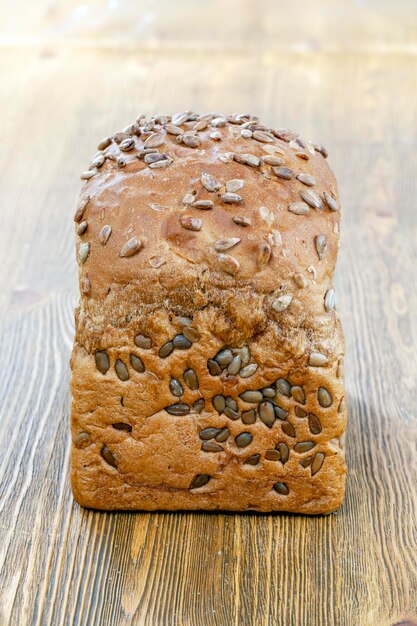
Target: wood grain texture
<point>345,75</point>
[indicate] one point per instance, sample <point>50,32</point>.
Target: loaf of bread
<point>207,368</point>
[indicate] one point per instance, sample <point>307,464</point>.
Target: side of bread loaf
<point>207,369</point>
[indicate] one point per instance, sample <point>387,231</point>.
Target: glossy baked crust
<point>221,236</point>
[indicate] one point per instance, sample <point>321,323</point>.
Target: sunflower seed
<point>253,460</point>
<point>246,133</point>
<point>268,392</point>
<point>190,379</point>
<point>154,141</point>
<point>310,196</point>
<point>307,461</point>
<point>243,440</point>
<point>218,122</point>
<point>223,435</point>
<point>86,285</point>
<point>88,174</point>
<point>272,455</point>
<point>283,387</point>
<point>104,143</point>
<point>203,204</point>
<point>199,481</point>
<point>82,227</point>
<point>178,409</point>
<point>300,412</point>
<point>176,387</point>
<point>108,456</point>
<point>248,370</point>
<point>298,394</point>
<point>98,161</point>
<point>179,119</point>
<point>288,429</point>
<point>270,159</point>
<point>121,162</point>
<point>154,157</point>
<point>166,349</point>
<point>82,440</point>
<point>200,125</point>
<point>231,198</point>
<point>314,424</point>
<point>235,184</point>
<point>262,136</point>
<point>121,370</point>
<point>304,446</point>
<point>234,366</point>
<point>284,452</point>
<point>216,135</point>
<point>102,361</point>
<point>209,433</point>
<point>283,172</point>
<point>143,342</point>
<point>83,252</point>
<point>242,220</point>
<point>300,280</point>
<point>298,208</point>
<point>342,405</point>
<point>119,137</point>
<point>181,343</point>
<point>253,397</point>
<point>131,247</point>
<point>317,463</point>
<point>219,403</point>
<point>280,413</point>
<point>282,302</point>
<point>81,207</point>
<point>321,149</point>
<point>209,182</point>
<point>266,413</point>
<point>263,254</point>
<point>282,489</point>
<point>231,403</point>
<point>199,405</point>
<point>247,159</point>
<point>190,140</point>
<point>122,426</point>
<point>229,264</point>
<point>320,242</point>
<point>104,234</point>
<point>127,144</point>
<point>221,245</point>
<point>191,334</point>
<point>324,397</point>
<point>160,164</point>
<point>210,446</point>
<point>330,300</point>
<point>330,201</point>
<point>191,223</point>
<point>249,417</point>
<point>307,179</point>
<point>340,371</point>
<point>318,360</point>
<point>188,199</point>
<point>233,415</point>
<point>214,368</point>
<point>172,129</point>
<point>137,363</point>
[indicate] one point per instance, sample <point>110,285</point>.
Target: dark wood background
<point>343,73</point>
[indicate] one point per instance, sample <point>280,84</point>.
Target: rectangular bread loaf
<point>207,368</point>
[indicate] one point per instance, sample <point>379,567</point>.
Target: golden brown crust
<point>238,231</point>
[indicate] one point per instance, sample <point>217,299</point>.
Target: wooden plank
<point>63,565</point>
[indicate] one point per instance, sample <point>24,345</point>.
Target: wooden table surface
<point>343,73</point>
